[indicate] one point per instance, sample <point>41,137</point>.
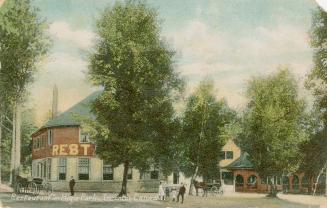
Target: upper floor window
<point>35,143</point>
<point>84,137</point>
<point>50,136</point>
<point>229,155</point>
<point>222,155</point>
<point>43,141</point>
<point>225,155</point>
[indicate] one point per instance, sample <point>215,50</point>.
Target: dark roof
<point>243,162</point>
<point>72,116</point>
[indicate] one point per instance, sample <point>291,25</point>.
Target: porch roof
<point>243,162</point>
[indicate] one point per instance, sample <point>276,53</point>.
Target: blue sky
<point>227,40</point>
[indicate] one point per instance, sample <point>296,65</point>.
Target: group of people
<point>164,191</point>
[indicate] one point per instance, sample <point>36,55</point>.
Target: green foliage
<point>315,150</point>
<point>315,153</point>
<point>134,113</point>
<point>274,124</point>
<point>22,44</point>
<point>205,122</point>
<point>28,127</point>
<point>317,79</point>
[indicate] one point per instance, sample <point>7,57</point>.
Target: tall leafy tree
<point>203,132</point>
<point>23,42</point>
<point>134,67</point>
<point>317,79</point>
<point>315,148</point>
<point>28,127</point>
<point>273,125</point>
<point>317,82</point>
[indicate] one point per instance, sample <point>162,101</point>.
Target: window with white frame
<point>35,143</point>
<point>229,154</point>
<point>83,169</point>
<point>49,168</point>
<point>108,172</point>
<point>62,168</point>
<point>176,177</point>
<point>152,173</point>
<point>84,137</point>
<point>38,172</point>
<point>130,173</point>
<point>50,136</point>
<point>225,155</point>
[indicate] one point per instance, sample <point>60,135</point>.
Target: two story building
<point>62,149</point>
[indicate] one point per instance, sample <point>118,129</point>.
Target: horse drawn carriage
<point>213,188</point>
<point>33,187</point>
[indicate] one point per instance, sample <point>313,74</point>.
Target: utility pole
<point>55,102</point>
<point>13,147</point>
<point>16,142</point>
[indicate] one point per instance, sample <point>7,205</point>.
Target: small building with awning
<point>246,179</point>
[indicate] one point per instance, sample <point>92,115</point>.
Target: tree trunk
<point>123,191</point>
<point>310,184</point>
<point>273,188</point>
<point>0,145</point>
<point>18,138</point>
<point>13,147</point>
<point>318,177</point>
<point>192,179</point>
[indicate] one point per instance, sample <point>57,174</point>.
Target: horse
<point>201,185</point>
<point>23,182</point>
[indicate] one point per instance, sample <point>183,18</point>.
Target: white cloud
<point>322,3</point>
<point>62,31</point>
<point>231,61</point>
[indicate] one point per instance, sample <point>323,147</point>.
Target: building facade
<point>62,149</point>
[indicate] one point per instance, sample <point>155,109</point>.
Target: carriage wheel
<point>220,191</point>
<point>214,190</point>
<point>32,188</point>
<point>17,188</point>
<point>48,188</point>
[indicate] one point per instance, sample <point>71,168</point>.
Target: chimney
<point>55,102</point>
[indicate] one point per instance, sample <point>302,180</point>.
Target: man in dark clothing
<point>181,193</point>
<point>71,186</point>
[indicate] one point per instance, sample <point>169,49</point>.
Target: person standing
<point>181,192</point>
<point>161,192</point>
<point>71,185</point>
<point>174,193</point>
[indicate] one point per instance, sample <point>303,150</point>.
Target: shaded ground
<point>238,201</point>
<point>305,199</point>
